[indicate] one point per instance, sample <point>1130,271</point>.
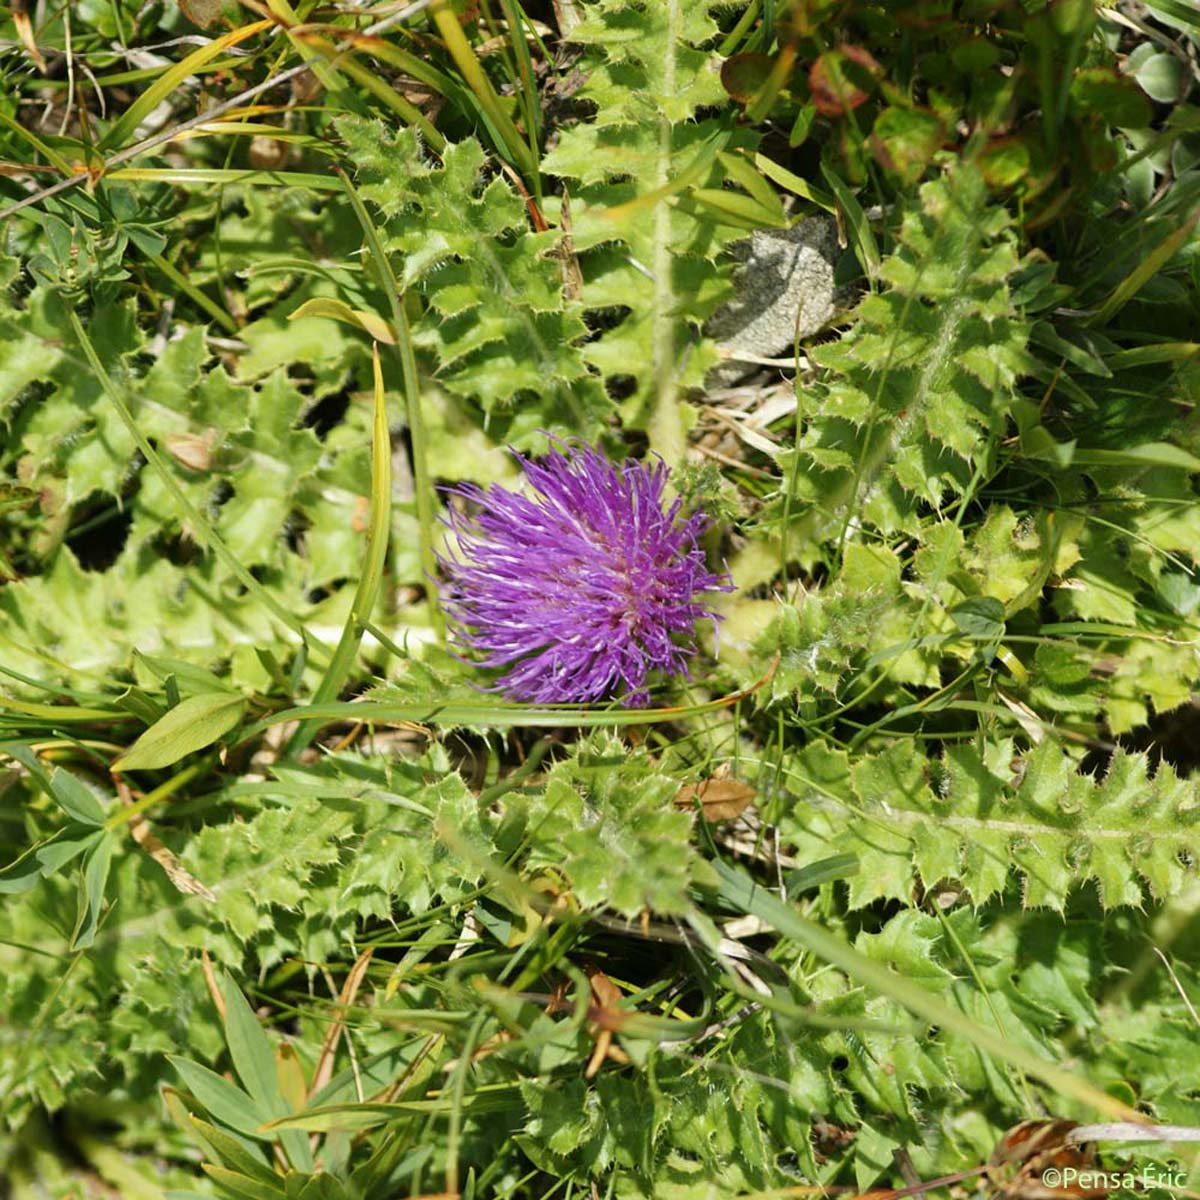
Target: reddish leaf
<point>839,80</point>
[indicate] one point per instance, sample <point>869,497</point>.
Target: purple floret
<point>583,588</point>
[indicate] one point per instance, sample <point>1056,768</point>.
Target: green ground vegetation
<point>291,910</point>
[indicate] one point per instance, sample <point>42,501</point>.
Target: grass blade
<point>464,57</point>
<point>865,245</point>
<point>412,394</point>
<point>1145,270</point>
<point>370,582</point>
<point>332,59</point>
<point>205,176</point>
<point>486,713</point>
<point>165,85</point>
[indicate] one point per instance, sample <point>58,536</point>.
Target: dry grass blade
<point>572,274</point>
<point>24,28</point>
<point>174,870</point>
<point>1124,1131</point>
<point>210,981</point>
<point>324,1069</point>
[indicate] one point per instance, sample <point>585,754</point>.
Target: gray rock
<point>783,287</point>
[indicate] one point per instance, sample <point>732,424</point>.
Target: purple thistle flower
<point>585,586</point>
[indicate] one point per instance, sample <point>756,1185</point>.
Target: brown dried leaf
<point>269,153</point>
<point>21,22</point>
<point>604,1018</point>
<point>201,12</point>
<point>1022,1156</point>
<point>191,450</point>
<point>604,991</point>
<point>720,799</point>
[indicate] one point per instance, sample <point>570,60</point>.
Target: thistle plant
<point>953,804</point>
<point>582,588</point>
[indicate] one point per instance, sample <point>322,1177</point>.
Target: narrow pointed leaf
<point>223,1100</point>
<point>76,798</point>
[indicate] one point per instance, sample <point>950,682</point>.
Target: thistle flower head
<point>581,588</point>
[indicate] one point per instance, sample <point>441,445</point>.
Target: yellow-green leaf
<point>339,310</point>
<point>191,725</point>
